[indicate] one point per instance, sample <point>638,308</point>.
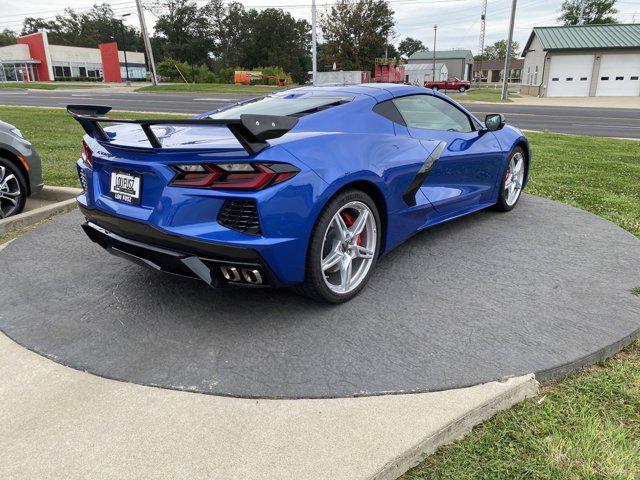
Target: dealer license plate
<point>125,186</point>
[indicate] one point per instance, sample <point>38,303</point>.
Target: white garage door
<point>619,75</point>
<point>570,75</point>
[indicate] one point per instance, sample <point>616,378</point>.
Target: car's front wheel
<point>13,189</point>
<point>435,88</point>
<point>462,89</point>
<point>512,181</point>
<point>344,248</point>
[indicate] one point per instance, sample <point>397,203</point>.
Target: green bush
<point>226,74</point>
<point>202,74</point>
<point>171,69</point>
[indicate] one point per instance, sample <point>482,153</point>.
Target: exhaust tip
<point>252,276</point>
<point>230,273</point>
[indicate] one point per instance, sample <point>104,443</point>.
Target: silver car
<point>20,170</point>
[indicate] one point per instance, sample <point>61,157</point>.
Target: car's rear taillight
<point>87,156</point>
<point>232,176</point>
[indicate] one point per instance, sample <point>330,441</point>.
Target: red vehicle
<point>449,84</point>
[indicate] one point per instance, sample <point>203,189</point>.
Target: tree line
<point>212,39</point>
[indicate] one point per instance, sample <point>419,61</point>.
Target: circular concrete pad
<point>541,289</point>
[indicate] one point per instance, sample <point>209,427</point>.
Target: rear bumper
<point>215,264</point>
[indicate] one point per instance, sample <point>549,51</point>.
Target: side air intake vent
<point>240,215</point>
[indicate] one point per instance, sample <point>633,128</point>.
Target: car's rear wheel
<point>512,181</point>
<point>344,248</point>
<point>435,87</point>
<point>13,189</point>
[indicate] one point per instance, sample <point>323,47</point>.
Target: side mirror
<point>494,121</point>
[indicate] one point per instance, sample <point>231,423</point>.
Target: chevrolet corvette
<point>306,187</point>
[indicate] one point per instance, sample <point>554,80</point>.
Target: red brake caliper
<point>349,220</point>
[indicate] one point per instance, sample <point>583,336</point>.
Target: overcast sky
<point>458,20</point>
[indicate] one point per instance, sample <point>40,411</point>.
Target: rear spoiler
<point>252,131</point>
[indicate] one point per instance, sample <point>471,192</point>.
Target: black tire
<point>462,89</point>
<point>435,88</point>
<point>314,285</point>
<point>11,168</point>
<point>502,205</point>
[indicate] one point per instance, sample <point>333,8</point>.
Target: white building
<point>342,77</point>
<point>582,61</point>
<point>32,59</point>
<point>418,73</point>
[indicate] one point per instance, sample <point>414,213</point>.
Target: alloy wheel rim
<point>348,247</point>
<point>514,178</point>
<point>9,192</point>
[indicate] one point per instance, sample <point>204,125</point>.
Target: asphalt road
<point>599,122</point>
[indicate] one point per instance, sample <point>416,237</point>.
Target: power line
<point>34,14</point>
<point>19,23</point>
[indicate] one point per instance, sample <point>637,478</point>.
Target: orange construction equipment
<point>244,77</point>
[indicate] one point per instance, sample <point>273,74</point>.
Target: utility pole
<point>581,16</point>
<point>386,46</point>
<point>505,79</point>
<point>483,26</point>
<point>147,44</point>
<point>435,35</point>
<point>314,58</point>
<point>124,46</point>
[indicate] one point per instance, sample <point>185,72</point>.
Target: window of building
<point>535,76</point>
<point>604,79</point>
<point>583,79</point>
<point>635,77</point>
<point>619,78</point>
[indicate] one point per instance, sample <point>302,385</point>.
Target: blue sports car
<point>306,187</point>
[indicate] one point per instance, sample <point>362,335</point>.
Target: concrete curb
<point>516,390</point>
<point>63,199</point>
<point>60,422</point>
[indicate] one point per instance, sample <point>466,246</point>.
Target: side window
<point>432,113</point>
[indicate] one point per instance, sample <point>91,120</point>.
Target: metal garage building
<point>459,62</point>
<point>582,61</point>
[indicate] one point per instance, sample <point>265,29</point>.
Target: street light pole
<point>314,59</point>
<point>124,46</point>
<point>505,76</point>
<point>435,34</point>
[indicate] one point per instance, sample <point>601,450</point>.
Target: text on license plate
<point>125,187</point>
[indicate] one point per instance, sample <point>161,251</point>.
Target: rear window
<point>291,106</point>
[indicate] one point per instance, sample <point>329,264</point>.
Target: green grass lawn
<point>490,95</point>
<point>52,85</point>
<point>588,426</point>
<point>210,88</point>
<point>57,137</point>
